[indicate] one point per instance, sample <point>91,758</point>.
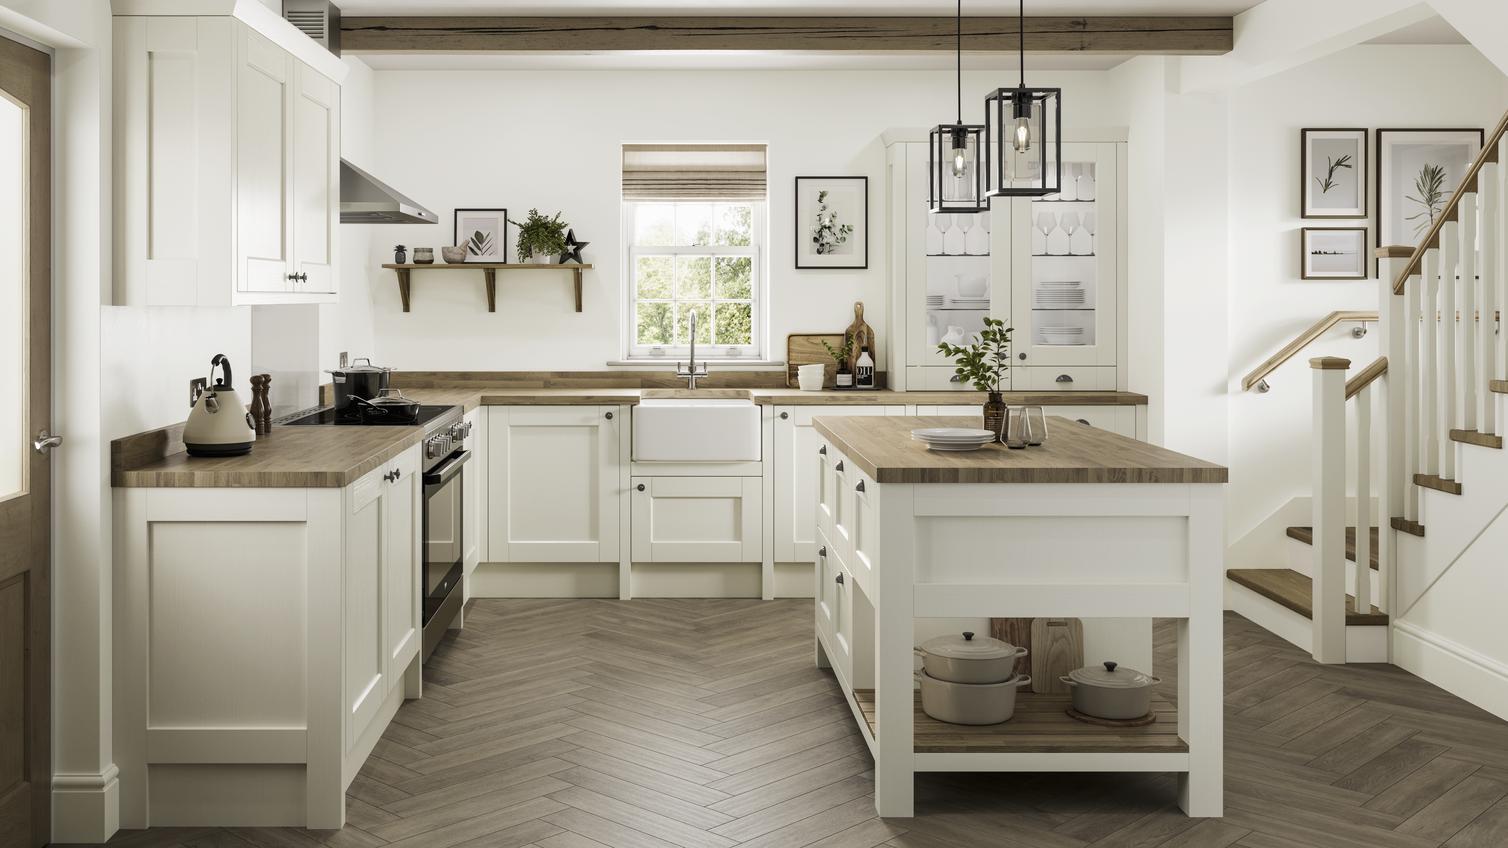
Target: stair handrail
<point>1366,376</point>
<point>1301,341</point>
<point>1468,185</point>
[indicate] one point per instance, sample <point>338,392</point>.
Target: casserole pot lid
<point>967,646</point>
<point>357,368</point>
<point>1112,676</point>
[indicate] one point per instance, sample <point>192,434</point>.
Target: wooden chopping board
<point>1057,648</point>
<point>807,349</point>
<point>1018,632</point>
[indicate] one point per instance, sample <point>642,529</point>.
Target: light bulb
<point>960,162</point>
<point>1023,134</point>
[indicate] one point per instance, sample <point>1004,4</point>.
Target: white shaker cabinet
<point>795,476</point>
<point>697,519</point>
<point>227,163</point>
<point>554,484</point>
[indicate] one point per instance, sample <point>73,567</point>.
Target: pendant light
<point>1027,126</point>
<point>955,152</point>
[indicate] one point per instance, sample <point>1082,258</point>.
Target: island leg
<point>895,718</point>
<point>1201,652</point>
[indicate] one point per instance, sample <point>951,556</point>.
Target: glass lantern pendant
<point>1026,125</point>
<point>955,151</point>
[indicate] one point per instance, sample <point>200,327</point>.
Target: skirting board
<point>1452,666</point>
<point>650,580</point>
<point>85,807</point>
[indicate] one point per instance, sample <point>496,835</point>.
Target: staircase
<point>1425,424</point>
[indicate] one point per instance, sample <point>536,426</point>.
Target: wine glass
<point>1089,224</point>
<point>1046,223</point>
<point>1070,223</point>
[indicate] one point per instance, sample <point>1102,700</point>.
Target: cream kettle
<point>218,424</point>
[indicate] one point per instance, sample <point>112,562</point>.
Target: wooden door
<point>25,471</point>
<point>553,486</point>
<point>316,179</point>
<point>263,146</point>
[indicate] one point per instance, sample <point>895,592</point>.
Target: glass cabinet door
<point>951,284</point>
<point>1064,265</point>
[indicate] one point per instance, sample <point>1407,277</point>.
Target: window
<point>699,257</point>
<point>694,224</point>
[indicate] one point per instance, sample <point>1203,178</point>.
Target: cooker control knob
<point>431,449</point>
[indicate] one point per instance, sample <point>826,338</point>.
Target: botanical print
<point>1418,171</point>
<point>483,232</point>
<point>1332,164</point>
<point>832,222</point>
<point>1335,176</point>
<point>1428,197</point>
<point>827,234</point>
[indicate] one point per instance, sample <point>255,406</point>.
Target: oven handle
<point>443,474</point>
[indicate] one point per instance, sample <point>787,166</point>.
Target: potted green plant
<point>841,355</point>
<point>984,364</point>
<point>541,240</point>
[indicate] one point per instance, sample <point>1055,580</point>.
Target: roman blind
<point>693,172</point>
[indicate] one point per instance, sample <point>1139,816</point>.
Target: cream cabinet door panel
<point>366,666</point>
<point>316,180</point>
<point>264,80</point>
<point>553,487</point>
<point>697,519</point>
<point>795,476</point>
<point>401,562</point>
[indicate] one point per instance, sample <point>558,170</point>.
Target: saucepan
<point>390,406</point>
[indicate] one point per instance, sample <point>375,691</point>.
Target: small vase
<point>543,259</point>
<point>843,379</point>
<point>994,415</point>
<point>424,256</point>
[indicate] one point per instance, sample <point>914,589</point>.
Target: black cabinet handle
<point>784,416</point>
<point>839,466</point>
<point>1064,378</point>
<point>397,473</point>
<point>640,487</point>
<point>1021,355</point>
<point>859,487</point>
<point>822,451</point>
<point>839,578</point>
<point>609,416</point>
<point>1084,421</point>
<point>822,552</point>
<point>956,378</point>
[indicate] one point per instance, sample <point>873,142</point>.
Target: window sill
<point>670,362</point>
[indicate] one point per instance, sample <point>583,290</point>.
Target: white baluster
<point>1364,499</point>
<point>1487,181</point>
<point>1406,367</point>
<point>1429,364</point>
<point>1329,506</point>
<point>1466,350</point>
<point>1450,243</point>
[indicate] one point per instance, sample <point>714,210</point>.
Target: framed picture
<point>832,222</point>
<point>1417,172</point>
<point>484,232</point>
<point>1335,173</point>
<point>1334,254</point>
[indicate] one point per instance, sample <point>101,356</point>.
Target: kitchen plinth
<point>1089,525</point>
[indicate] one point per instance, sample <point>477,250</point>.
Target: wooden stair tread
<point>1306,535</point>
<point>1438,483</point>
<point>1472,437</point>
<point>1499,386</point>
<point>1413,528</point>
<point>1296,592</point>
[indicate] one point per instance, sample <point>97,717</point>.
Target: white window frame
<point>706,351</point>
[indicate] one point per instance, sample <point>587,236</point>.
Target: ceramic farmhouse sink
<point>695,429</point>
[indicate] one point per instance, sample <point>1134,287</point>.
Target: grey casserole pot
<point>967,659</point>
<point>970,703</point>
<point>1115,693</point>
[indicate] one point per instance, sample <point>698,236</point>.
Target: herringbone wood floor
<point>702,724</point>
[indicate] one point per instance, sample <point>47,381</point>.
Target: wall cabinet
<point>697,519</point>
<point>554,487</point>
<point>227,164</point>
<point>795,475</point>
<point>1053,268</point>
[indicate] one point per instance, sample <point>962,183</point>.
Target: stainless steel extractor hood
<point>364,199</point>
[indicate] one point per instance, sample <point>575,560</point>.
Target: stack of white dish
<point>1062,334</point>
<point>953,438</point>
<point>970,302</point>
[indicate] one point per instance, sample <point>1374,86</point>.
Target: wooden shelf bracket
<point>489,274</point>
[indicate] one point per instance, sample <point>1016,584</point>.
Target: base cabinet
<point>697,519</point>
<point>795,475</point>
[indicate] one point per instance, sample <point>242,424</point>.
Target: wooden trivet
<point>1112,722</point>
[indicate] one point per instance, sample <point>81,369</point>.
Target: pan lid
<point>356,367</point>
<point>967,646</point>
<point>1112,676</point>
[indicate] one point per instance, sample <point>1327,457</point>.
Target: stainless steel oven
<point>444,546</point>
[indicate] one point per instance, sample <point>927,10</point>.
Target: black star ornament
<point>572,253</point>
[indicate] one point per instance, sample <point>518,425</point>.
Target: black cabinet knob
<point>1021,355</point>
<point>859,487</point>
<point>839,466</point>
<point>839,578</point>
<point>609,416</point>
<point>784,416</point>
<point>822,552</point>
<point>822,451</point>
<point>640,487</point>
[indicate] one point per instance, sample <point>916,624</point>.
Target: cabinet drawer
<point>941,380</point>
<point>825,567</point>
<point>1066,378</point>
<point>863,556</point>
<point>697,519</point>
<point>1116,419</point>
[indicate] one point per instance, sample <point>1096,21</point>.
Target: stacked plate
<point>953,438</point>
<point>970,302</point>
<point>934,301</point>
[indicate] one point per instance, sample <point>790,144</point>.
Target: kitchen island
<point>1089,524</point>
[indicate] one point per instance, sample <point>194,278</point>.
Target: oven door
<point>444,530</point>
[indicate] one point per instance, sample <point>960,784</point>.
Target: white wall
<point>348,324</point>
<point>1364,86</point>
<point>552,140</point>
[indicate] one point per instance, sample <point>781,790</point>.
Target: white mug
<point>809,377</point>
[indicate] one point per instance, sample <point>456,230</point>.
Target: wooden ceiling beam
<point>1189,36</point>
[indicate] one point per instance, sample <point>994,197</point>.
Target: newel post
<point>1329,505</point>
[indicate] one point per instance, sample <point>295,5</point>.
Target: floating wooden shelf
<point>489,272</point>
<point>1041,725</point>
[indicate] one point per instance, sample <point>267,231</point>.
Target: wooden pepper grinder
<point>261,406</point>
<point>862,335</point>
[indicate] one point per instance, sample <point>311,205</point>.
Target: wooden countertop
<point>470,398</point>
<point>882,448</point>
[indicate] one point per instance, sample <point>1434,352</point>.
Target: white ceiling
<point>1428,31</point>
<point>793,7</point>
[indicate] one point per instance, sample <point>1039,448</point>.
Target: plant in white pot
<point>541,240</point>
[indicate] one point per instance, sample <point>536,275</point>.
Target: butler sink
<point>696,429</point>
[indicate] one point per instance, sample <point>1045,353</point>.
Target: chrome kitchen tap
<point>691,371</point>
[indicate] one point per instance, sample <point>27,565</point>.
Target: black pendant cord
<point>1021,32</point>
<point>958,52</point>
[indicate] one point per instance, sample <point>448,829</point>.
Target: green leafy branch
<point>1335,165</point>
<point>1430,186</point>
<point>840,354</point>
<point>984,363</point>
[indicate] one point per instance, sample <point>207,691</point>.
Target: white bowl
<point>809,377</point>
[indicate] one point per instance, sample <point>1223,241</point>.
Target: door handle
<point>859,487</point>
<point>784,416</point>
<point>45,442</point>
